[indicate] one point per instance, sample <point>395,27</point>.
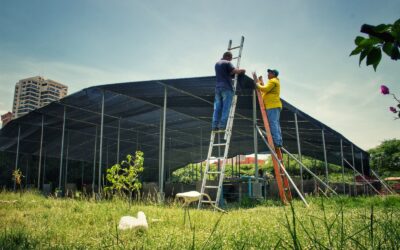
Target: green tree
<point>386,156</point>
<point>383,37</point>
<point>125,176</point>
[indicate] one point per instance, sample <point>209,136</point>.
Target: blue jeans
<point>222,105</point>
<point>273,119</point>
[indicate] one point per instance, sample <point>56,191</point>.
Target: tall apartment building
<point>35,92</point>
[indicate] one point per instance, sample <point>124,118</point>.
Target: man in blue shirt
<point>224,71</point>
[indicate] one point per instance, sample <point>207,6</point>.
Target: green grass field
<point>35,222</point>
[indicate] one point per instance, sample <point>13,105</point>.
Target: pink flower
<point>393,109</point>
<point>384,90</point>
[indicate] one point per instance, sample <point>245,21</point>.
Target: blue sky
<point>90,42</point>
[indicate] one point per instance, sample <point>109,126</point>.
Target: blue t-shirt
<point>223,69</point>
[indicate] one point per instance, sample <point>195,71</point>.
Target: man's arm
<point>267,88</point>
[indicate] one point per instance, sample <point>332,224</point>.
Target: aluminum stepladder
<point>225,145</point>
<point>280,175</point>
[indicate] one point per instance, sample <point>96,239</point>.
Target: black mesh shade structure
<point>133,118</point>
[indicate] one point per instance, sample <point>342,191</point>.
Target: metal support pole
<point>94,161</point>
<point>325,157</point>
<point>163,143</point>
<point>82,172</point>
<point>62,149</point>
<point>44,168</point>
<point>309,171</point>
<point>118,138</point>
<point>201,153</point>
<point>348,163</point>
<point>354,179</point>
<point>17,154</point>
<point>101,142</point>
<point>66,164</point>
<point>159,152</point>
<point>255,136</point>
<point>362,169</point>
<point>273,154</point>
<point>26,172</point>
<point>341,155</point>
<point>163,140</point>
<point>40,153</point>
<point>299,153</point>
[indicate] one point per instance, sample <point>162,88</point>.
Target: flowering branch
<point>385,91</point>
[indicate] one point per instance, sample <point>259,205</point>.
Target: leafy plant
<point>17,174</point>
<point>383,37</point>
<point>124,176</point>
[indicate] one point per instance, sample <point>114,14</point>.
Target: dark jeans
<point>222,105</point>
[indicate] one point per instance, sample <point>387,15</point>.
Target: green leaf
<point>374,57</point>
<point>382,28</point>
<point>364,53</point>
<point>387,48</point>
<point>395,53</point>
<point>356,51</point>
<point>358,40</point>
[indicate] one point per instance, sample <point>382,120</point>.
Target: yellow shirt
<point>270,93</point>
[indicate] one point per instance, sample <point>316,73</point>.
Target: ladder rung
<point>211,186</point>
<point>219,144</point>
<point>214,172</point>
<point>237,47</point>
<point>218,158</point>
<point>218,131</point>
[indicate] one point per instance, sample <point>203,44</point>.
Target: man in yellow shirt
<point>272,102</point>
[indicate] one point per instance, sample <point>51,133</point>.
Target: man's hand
<point>254,77</point>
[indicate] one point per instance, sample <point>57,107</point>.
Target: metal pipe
<point>66,163</point>
<point>383,183</point>
<point>341,155</point>
<point>40,153</point>
<point>282,167</point>
<point>82,172</point>
<point>362,177</point>
<point>362,168</point>
<point>308,170</point>
<point>44,168</point>
<point>163,141</point>
<point>101,142</point>
<point>255,136</point>
<point>304,166</point>
<point>159,151</point>
<point>94,161</point>
<point>119,137</point>
<point>299,152</point>
<point>201,153</point>
<point>17,154</point>
<point>62,149</point>
<point>354,179</point>
<point>325,157</point>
